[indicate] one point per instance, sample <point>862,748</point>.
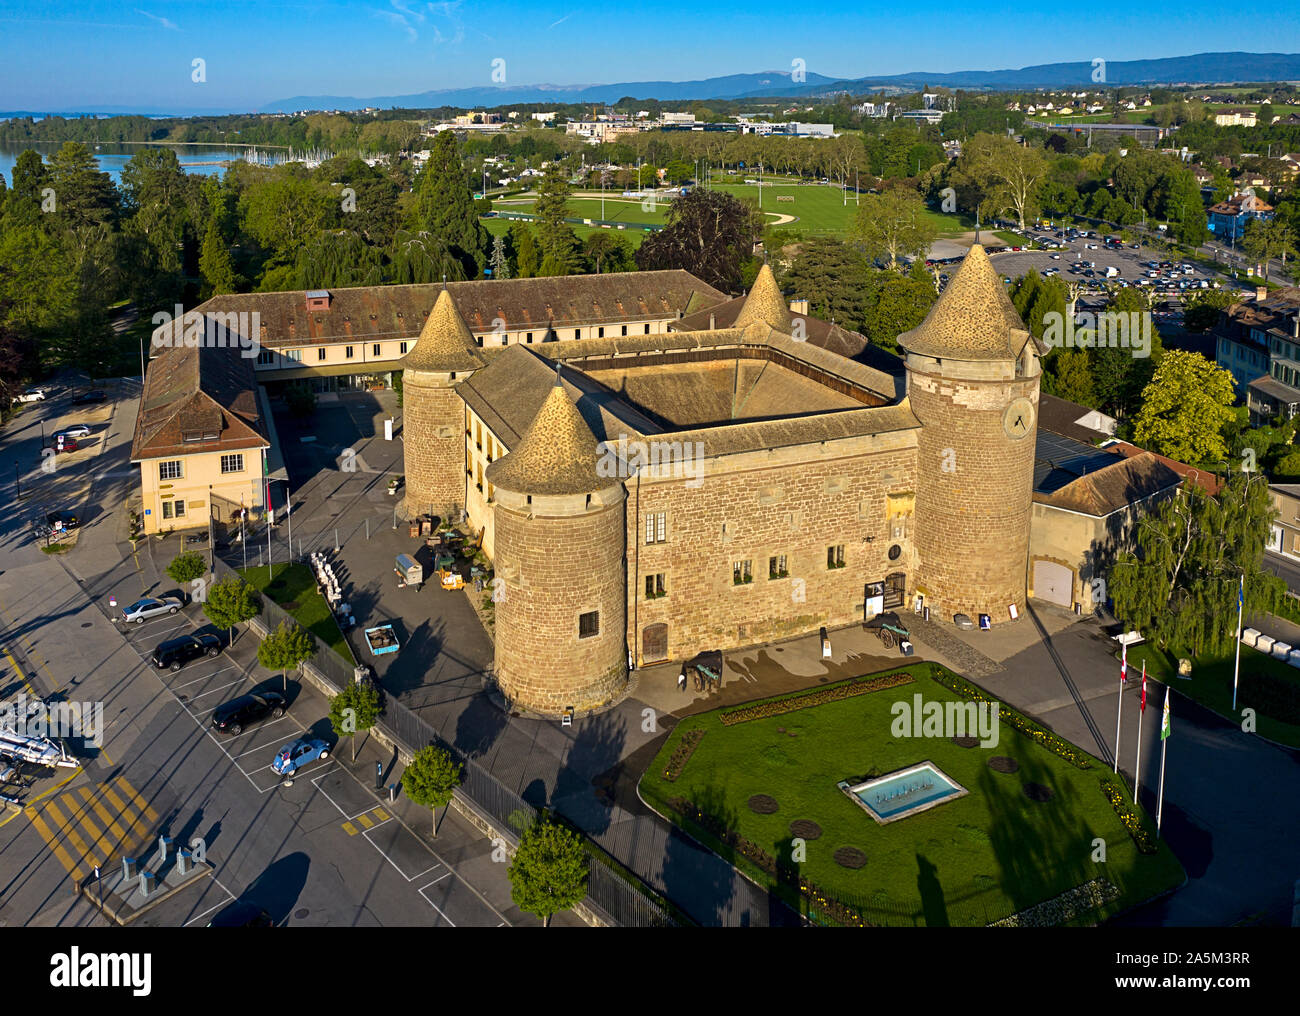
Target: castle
<point>727,481</point>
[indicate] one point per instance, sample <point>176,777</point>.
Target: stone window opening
<point>589,624</point>
<point>742,573</point>
<point>655,587</point>
<point>776,568</point>
<point>656,527</point>
<point>835,556</point>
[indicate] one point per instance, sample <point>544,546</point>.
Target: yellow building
<point>199,437</point>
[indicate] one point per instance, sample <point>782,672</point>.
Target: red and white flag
<point>1123,664</point>
<point>1143,707</point>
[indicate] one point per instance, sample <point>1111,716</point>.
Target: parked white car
<point>142,610</point>
<point>32,395</point>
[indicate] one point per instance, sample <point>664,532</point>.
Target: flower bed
<point>1069,905</point>
<point>815,697</point>
<point>1132,821</point>
<point>816,897</point>
<point>682,754</point>
<point>1022,723</point>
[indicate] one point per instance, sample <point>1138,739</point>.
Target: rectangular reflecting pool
<point>903,793</point>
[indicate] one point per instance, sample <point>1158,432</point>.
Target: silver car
<point>142,610</point>
<point>76,430</point>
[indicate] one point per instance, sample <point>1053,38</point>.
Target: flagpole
<point>1119,710</point>
<point>1236,667</point>
<point>1164,745</point>
<point>1137,767</point>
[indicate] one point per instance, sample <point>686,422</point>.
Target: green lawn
<point>619,210</point>
<point>499,227</point>
<point>971,860</point>
<point>294,589</point>
<point>1211,685</point>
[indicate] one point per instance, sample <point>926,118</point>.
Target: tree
<point>608,252</point>
<point>1185,409</point>
<point>893,225</point>
<point>993,173</point>
<point>557,242</point>
<point>444,206</point>
<point>835,278</point>
<point>549,871</point>
<point>1201,310</point>
<point>1179,584</point>
<point>431,779</point>
<point>215,265</point>
<point>285,648</point>
<point>709,234</point>
<point>424,257</point>
<point>499,261</point>
<point>353,710</point>
<point>230,602</point>
<point>898,304</point>
<point>283,212</point>
<point>300,399</point>
<point>527,260</point>
<point>1072,377</point>
<point>1264,240</point>
<point>187,567</point>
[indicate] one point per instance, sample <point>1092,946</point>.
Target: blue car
<point>293,756</point>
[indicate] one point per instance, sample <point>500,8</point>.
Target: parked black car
<point>177,652</point>
<point>87,398</point>
<point>233,716</point>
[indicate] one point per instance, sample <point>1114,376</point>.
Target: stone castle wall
<point>792,502</point>
<point>974,490</point>
<point>555,569</point>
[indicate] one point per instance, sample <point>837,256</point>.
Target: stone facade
<point>560,558</point>
<point>433,443</point>
<point>974,488</point>
<point>794,503</point>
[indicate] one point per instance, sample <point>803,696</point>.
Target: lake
<point>112,157</point>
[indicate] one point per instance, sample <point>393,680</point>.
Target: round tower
<point>972,379</point>
<point>559,550</point>
<point>433,416</point>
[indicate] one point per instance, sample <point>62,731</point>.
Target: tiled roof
<point>1208,482</point>
<point>973,319</point>
<point>373,313</point>
<point>557,454</point>
<point>1062,417</point>
<point>445,344</point>
<point>1113,487</point>
<point>765,304</point>
<point>198,389</point>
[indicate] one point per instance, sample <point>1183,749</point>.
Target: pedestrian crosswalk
<point>93,825</point>
<point>367,820</point>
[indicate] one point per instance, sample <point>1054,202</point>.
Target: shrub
<point>682,754</point>
<point>1132,821</point>
<point>1272,695</point>
<point>806,699</point>
<point>1070,904</point>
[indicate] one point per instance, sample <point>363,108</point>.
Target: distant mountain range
<point>1198,69</point>
<point>1201,68</point>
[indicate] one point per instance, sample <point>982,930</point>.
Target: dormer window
<point>318,299</point>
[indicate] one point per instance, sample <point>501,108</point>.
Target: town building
<point>1227,219</point>
<point>1237,117</point>
<point>1258,341</point>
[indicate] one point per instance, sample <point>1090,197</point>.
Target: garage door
<point>1054,583</point>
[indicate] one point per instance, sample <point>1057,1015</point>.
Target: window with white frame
<point>233,463</point>
<point>655,527</point>
<point>171,470</point>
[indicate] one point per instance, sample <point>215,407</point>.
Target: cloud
<point>165,22</point>
<point>398,20</point>
<point>562,20</point>
<point>407,15</point>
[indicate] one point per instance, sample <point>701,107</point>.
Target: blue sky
<point>71,55</point>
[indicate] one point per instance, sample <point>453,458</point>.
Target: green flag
<point>1164,722</point>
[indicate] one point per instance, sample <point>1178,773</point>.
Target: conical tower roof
<point>556,455</point>
<point>765,303</point>
<point>973,319</point>
<point>446,343</point>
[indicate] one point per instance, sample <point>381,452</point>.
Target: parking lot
<point>328,849</point>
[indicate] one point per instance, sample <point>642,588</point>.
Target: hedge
<point>1035,732</point>
<point>1069,905</point>
<point>806,699</point>
<point>1132,821</point>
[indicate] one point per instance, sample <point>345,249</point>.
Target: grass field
<point>499,227</point>
<point>971,860</point>
<point>1211,685</point>
<point>294,589</point>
